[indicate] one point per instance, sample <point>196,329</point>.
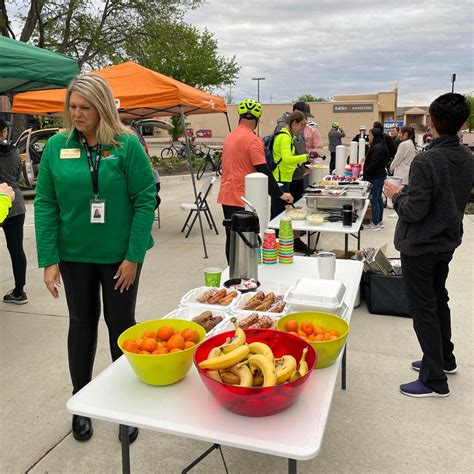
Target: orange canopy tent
<point>139,92</point>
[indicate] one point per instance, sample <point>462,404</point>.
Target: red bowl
<point>258,401</point>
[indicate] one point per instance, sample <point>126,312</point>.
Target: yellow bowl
<point>327,351</point>
<point>164,369</point>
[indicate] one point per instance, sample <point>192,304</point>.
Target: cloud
<point>345,47</point>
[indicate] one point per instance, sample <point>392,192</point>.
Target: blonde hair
<point>96,90</point>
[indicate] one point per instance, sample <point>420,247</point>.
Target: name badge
<point>98,212</point>
<point>70,153</point>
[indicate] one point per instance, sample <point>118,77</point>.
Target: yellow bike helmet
<point>250,106</point>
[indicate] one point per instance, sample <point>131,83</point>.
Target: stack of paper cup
<point>286,242</point>
<point>269,247</point>
<point>259,255</point>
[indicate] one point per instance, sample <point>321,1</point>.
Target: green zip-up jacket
<point>63,203</point>
<point>284,150</point>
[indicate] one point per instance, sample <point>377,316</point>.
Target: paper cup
<point>396,180</point>
<point>326,265</point>
<point>212,276</point>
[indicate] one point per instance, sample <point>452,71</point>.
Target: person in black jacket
<point>10,172</point>
<point>375,172</point>
<point>391,148</point>
<point>428,231</point>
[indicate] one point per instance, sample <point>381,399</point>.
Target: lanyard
<point>94,170</point>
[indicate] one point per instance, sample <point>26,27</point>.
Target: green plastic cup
<point>212,276</point>
<point>286,228</point>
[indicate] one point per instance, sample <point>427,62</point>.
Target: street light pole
<point>258,79</point>
<point>453,78</point>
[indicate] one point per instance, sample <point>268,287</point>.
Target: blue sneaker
<point>416,365</point>
<point>418,389</point>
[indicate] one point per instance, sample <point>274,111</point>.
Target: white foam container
<point>228,326</point>
<point>189,312</point>
<point>313,294</point>
<point>240,305</point>
<point>190,299</point>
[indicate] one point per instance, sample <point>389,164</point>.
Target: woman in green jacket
<point>94,210</point>
<point>285,158</point>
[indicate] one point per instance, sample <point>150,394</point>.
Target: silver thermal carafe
<point>244,242</point>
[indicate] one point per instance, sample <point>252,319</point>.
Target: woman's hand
<point>125,275</point>
<point>52,279</point>
<point>391,189</point>
<point>287,197</point>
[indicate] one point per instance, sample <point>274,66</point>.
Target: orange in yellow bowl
<point>163,369</point>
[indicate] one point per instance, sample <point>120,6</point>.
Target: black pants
<point>82,284</point>
<point>228,211</point>
<point>13,228</point>
<point>297,189</point>
<point>425,279</point>
<point>332,163</point>
<point>277,204</point>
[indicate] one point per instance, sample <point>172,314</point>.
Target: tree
<point>92,32</point>
<point>181,51</point>
<point>470,120</point>
<point>177,131</point>
<point>310,98</point>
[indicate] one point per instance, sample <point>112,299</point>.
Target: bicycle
<point>216,165</point>
<point>174,150</point>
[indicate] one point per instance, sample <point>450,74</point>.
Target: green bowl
<point>164,369</point>
<point>327,351</point>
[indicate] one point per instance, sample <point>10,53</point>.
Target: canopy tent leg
<point>190,160</point>
<point>228,123</point>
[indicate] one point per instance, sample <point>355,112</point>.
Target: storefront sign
<point>354,108</point>
<point>389,124</point>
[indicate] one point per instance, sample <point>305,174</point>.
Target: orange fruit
<point>162,350</point>
<point>188,344</point>
<point>332,338</point>
<point>144,352</point>
<point>190,335</point>
<point>291,325</point>
<point>175,342</point>
<point>318,330</point>
<point>155,352</point>
<point>151,334</point>
<point>175,349</point>
<point>148,344</point>
<point>307,328</point>
<point>161,344</point>
<point>165,332</point>
<point>334,332</point>
<point>327,336</point>
<point>319,337</point>
<point>130,345</point>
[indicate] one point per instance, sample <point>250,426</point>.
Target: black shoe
<point>81,427</point>
<point>10,297</point>
<point>300,246</point>
<point>132,434</point>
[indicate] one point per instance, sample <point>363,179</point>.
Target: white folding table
<point>188,409</point>
<point>327,227</point>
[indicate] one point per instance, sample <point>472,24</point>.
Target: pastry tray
<point>190,299</point>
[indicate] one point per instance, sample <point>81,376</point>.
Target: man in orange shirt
<point>243,154</point>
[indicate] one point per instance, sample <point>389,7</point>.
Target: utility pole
<point>453,79</point>
<point>258,79</point>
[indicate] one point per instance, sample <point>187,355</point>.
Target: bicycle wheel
<point>219,167</point>
<point>167,152</point>
<point>202,168</point>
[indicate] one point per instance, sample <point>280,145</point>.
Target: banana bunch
<point>251,365</point>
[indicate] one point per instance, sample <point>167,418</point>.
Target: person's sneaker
<point>393,215</point>
<point>372,226</point>
<point>416,365</point>
<point>419,390</point>
<point>10,297</point>
<point>381,225</point>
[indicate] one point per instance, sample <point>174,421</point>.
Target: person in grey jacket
<point>10,173</point>
<point>335,136</point>
<point>429,229</point>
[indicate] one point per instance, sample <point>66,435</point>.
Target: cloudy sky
<point>334,47</point>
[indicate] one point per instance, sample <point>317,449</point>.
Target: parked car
<point>204,133</point>
<point>31,144</point>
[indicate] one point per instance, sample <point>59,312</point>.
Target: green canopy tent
<point>24,67</point>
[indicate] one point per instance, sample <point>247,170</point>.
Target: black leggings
<point>13,228</point>
<point>82,284</point>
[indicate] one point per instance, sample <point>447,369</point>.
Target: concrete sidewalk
<point>371,428</point>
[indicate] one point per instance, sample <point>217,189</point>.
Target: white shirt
<point>400,166</point>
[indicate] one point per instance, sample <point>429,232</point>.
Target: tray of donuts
<point>269,302</point>
<point>211,298</point>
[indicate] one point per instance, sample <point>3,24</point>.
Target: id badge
<point>97,211</point>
